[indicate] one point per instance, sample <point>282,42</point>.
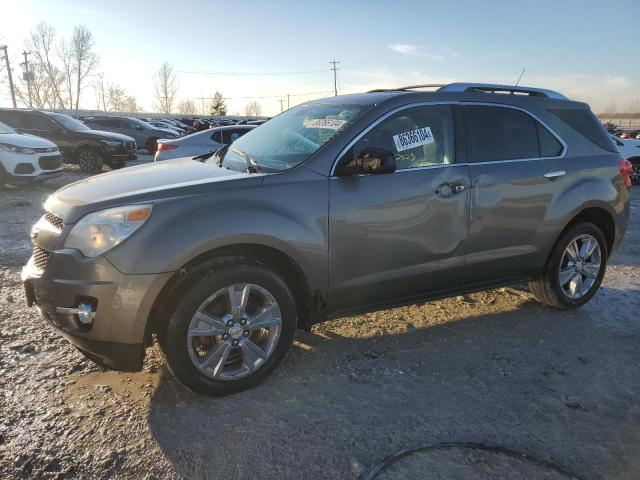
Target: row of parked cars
<point>628,142</point>
<point>34,144</point>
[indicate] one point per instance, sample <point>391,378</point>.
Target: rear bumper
<point>121,302</point>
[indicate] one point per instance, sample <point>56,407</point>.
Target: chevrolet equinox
<point>338,206</point>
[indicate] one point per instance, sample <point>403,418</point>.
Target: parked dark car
<point>338,206</point>
<point>76,141</point>
<point>145,135</point>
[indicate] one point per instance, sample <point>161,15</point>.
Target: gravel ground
<point>494,368</point>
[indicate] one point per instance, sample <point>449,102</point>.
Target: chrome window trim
<point>451,102</point>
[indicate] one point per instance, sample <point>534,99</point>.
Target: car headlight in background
<point>100,231</point>
<point>112,143</point>
<point>15,149</point>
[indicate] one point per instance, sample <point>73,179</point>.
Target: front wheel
<point>575,268</point>
<point>231,328</point>
<point>90,160</point>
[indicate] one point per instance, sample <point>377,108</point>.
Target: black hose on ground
<point>371,474</point>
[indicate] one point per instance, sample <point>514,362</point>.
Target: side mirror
<point>371,161</point>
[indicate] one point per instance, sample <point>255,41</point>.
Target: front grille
<point>51,162</point>
<point>130,145</point>
<point>40,257</point>
<point>54,220</point>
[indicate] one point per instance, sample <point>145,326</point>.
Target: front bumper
<point>121,302</point>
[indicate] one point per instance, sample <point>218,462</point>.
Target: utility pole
<point>335,77</point>
<point>281,100</point>
<point>6,59</point>
<point>27,74</point>
<point>287,101</point>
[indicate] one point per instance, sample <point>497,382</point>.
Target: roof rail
<point>491,88</point>
<point>410,87</point>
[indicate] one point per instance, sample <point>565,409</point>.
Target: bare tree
<point>131,104</point>
<point>218,105</point>
<point>187,107</point>
<point>100,91</point>
<point>253,109</point>
<point>83,57</point>
<point>42,91</point>
<point>41,43</point>
<point>166,87</point>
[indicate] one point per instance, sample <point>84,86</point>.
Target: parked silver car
<point>145,135</point>
<point>200,142</point>
<point>338,206</point>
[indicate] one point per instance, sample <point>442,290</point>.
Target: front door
<point>398,236</point>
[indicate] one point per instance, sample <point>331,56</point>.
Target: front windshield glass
<point>6,129</point>
<point>68,122</point>
<point>290,138</point>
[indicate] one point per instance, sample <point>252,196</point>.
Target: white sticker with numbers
<point>412,139</point>
<point>326,123</point>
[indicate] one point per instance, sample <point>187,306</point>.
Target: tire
<point>151,145</point>
<point>635,173</point>
<point>551,290</point>
<point>116,165</point>
<point>231,362</point>
<point>90,159</point>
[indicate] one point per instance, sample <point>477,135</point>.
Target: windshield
<point>6,129</point>
<point>68,122</point>
<point>290,138</point>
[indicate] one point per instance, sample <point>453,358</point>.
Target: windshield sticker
<point>414,138</point>
<point>327,123</point>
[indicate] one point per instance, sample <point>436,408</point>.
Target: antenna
<point>520,77</point>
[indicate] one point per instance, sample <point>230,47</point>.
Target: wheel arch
<point>86,144</point>
<point>601,217</point>
<point>307,301</point>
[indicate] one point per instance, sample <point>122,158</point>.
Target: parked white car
<point>630,149</point>
<point>200,143</point>
<point>26,158</point>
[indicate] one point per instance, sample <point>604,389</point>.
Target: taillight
<point>625,170</point>
<point>166,146</point>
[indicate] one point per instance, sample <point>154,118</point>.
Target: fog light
<point>84,313</point>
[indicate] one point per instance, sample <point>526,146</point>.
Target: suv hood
<point>154,181</point>
<point>102,135</point>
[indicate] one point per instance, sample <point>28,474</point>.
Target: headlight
<point>15,149</point>
<point>100,231</point>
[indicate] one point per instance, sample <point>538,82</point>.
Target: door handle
<point>447,190</point>
<point>554,174</point>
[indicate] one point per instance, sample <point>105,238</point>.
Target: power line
<point>203,72</point>
<point>335,76</point>
<point>270,96</point>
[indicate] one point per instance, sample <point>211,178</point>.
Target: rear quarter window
<point>586,123</point>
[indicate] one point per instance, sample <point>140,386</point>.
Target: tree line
<point>62,68</point>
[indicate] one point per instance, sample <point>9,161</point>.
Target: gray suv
<point>338,206</point>
<point>145,134</point>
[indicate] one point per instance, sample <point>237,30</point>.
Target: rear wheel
<point>575,268</point>
<point>90,159</point>
<point>230,330</point>
<point>635,173</point>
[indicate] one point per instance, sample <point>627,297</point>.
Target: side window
<point>126,123</point>
<point>503,133</point>
<point>39,122</point>
<point>418,137</point>
<point>217,137</point>
<point>231,136</point>
<point>13,119</point>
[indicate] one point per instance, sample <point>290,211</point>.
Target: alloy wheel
<point>234,332</point>
<point>88,161</point>
<point>580,266</point>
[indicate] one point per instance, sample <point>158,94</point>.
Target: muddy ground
<point>491,368</point>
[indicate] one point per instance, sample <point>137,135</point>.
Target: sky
<point>255,50</point>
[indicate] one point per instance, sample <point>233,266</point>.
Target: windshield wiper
<point>252,165</point>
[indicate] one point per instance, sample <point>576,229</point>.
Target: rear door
<point>399,235</point>
<point>518,173</point>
